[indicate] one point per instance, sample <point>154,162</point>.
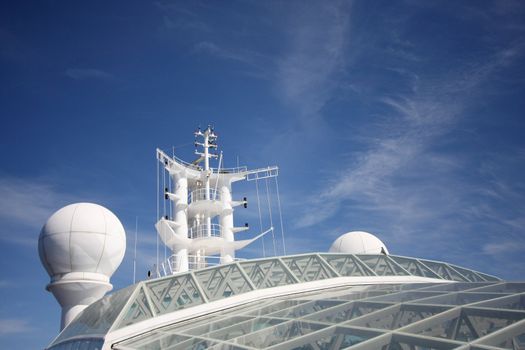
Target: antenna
<point>199,224</point>
<point>135,253</point>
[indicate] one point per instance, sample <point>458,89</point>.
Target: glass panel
<point>215,325</point>
<point>510,339</point>
<point>277,305</point>
<point>181,327</point>
<point>398,316</point>
<point>511,302</point>
<point>80,344</point>
<point>406,342</point>
<point>444,271</point>
<point>382,266</point>
<point>468,324</point>
<point>306,308</point>
<point>488,277</point>
<point>244,328</point>
<point>345,312</point>
<point>139,310</point>
<point>458,298</point>
<point>154,340</point>
<point>266,274</point>
<point>222,281</point>
<point>405,296</point>
<point>192,343</point>
<point>359,295</point>
<point>414,267</point>
<point>334,338</point>
<point>173,293</point>
<point>456,287</point>
<point>98,317</point>
<point>472,276</point>
<point>278,334</point>
<point>347,265</point>
<point>308,268</point>
<point>509,287</point>
<point>225,346</point>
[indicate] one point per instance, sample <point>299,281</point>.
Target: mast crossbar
<point>263,173</point>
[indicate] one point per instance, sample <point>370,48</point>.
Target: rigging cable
<point>260,217</point>
<point>135,253</point>
<point>164,205</point>
<point>158,206</point>
<point>218,175</point>
<point>170,187</point>
<point>280,214</point>
<point>271,219</point>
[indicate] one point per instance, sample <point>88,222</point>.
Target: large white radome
<point>82,237</point>
<point>358,242</point>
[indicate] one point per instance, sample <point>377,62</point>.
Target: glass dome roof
<point>376,312</point>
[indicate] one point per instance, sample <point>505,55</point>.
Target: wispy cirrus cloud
<point>88,73</point>
<point>307,73</point>
<point>12,325</point>
<point>27,203</point>
<point>407,103</point>
<point>391,175</point>
<point>503,247</point>
<point>243,56</point>
<point>25,207</point>
<point>6,284</point>
<point>304,74</point>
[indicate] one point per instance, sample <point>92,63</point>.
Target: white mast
<point>202,222</point>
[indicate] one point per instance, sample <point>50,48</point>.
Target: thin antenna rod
<point>271,218</point>
<point>218,175</point>
<point>260,216</point>
<point>158,208</point>
<point>135,253</point>
<point>280,214</point>
<point>164,203</point>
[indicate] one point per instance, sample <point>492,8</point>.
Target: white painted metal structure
<point>308,301</point>
<point>201,223</point>
<point>358,296</point>
<point>358,242</point>
<point>80,246</point>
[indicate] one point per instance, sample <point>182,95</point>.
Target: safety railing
<point>170,265</point>
<point>200,195</point>
<point>240,169</point>
<point>167,160</point>
<point>204,230</point>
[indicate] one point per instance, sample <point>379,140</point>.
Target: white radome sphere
<point>358,242</point>
<point>82,237</point>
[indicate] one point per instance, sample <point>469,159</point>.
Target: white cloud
<point>12,326</point>
<point>392,175</point>
<point>307,72</point>
<point>503,247</point>
<point>239,55</point>
<point>25,205</point>
<point>28,203</point>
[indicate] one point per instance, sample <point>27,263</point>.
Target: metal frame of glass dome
<point>383,317</point>
<point>157,303</point>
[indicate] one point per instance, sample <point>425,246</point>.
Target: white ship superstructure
<point>357,296</point>
<point>201,224</point>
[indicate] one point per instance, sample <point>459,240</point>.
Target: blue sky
<point>401,118</point>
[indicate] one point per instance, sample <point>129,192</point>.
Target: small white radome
<point>358,242</point>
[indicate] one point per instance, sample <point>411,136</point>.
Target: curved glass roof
<point>153,298</point>
<point>468,315</point>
